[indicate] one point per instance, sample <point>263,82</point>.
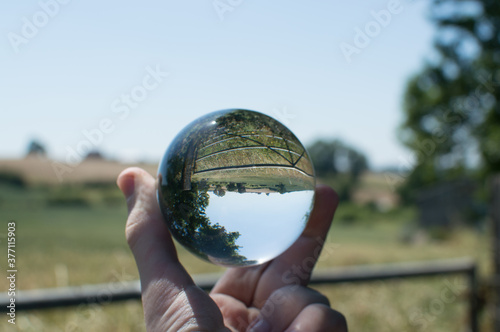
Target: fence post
<point>473,309</point>
<point>495,217</point>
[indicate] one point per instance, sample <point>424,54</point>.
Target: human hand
<point>269,297</point>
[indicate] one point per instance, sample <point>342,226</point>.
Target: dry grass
<point>60,246</point>
<point>401,305</point>
<point>44,171</point>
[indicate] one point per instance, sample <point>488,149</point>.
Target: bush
<point>68,196</point>
<point>12,178</point>
<point>100,184</point>
<point>112,197</point>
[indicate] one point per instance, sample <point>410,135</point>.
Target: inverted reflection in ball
<point>236,187</point>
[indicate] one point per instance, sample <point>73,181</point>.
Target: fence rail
<point>121,291</point>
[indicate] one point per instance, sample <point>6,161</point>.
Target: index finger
<point>300,259</point>
<point>253,285</point>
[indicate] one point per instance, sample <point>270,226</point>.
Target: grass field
<point>74,235</point>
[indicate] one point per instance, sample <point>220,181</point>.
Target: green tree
<point>36,148</point>
<point>339,164</point>
<point>452,109</point>
<point>185,212</point>
<point>333,157</point>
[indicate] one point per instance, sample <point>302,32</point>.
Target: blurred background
<point>397,102</point>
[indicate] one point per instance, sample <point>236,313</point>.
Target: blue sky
<point>68,67</point>
<point>267,231</point>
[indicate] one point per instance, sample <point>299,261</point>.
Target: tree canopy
<point>35,147</point>
<point>184,211</point>
<point>331,157</point>
<point>338,164</point>
<point>452,109</point>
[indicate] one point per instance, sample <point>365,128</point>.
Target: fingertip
<point>327,194</point>
<point>325,203</point>
<point>126,181</point>
<point>319,317</point>
<point>130,182</point>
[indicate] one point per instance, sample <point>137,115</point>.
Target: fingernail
<point>261,326</point>
<point>126,184</point>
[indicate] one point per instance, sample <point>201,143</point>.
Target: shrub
<point>68,196</point>
<point>12,178</point>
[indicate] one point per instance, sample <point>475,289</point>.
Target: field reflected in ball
<point>236,187</point>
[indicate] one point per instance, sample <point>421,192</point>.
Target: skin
<point>269,297</point>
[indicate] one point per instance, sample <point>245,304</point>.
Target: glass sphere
<point>236,187</point>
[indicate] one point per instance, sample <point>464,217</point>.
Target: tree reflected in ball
<point>236,187</point>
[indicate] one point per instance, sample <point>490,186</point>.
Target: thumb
<point>171,300</point>
<point>146,232</point>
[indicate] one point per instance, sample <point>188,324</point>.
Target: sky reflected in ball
<point>236,187</point>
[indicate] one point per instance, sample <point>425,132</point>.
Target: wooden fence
<point>121,291</point>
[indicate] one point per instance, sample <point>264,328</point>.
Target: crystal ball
<point>236,187</point>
